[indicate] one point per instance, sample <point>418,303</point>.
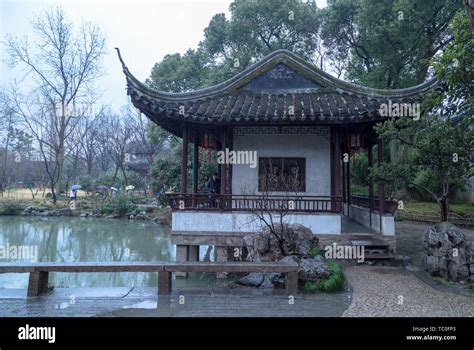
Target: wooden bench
<point>39,272</point>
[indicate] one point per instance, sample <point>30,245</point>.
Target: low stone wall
<point>362,216</point>
<point>325,240</point>
<point>248,222</point>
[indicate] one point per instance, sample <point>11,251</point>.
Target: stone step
<point>370,243</point>
<point>382,256</point>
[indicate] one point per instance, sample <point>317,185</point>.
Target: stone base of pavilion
<point>371,219</point>
<point>226,230</point>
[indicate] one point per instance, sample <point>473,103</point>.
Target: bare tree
<point>97,145</point>
<point>81,146</point>
<point>64,64</point>
<point>89,140</point>
<point>7,122</point>
<point>272,208</point>
<point>140,137</point>
<point>118,134</point>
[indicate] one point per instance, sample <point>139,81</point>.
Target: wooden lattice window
<point>281,174</point>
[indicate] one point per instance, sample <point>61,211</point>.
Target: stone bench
<point>39,272</point>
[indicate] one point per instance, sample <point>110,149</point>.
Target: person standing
<point>213,187</point>
<point>73,195</point>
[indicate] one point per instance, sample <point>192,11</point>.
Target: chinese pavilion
<point>290,113</point>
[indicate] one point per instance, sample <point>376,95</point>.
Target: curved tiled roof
<point>281,88</point>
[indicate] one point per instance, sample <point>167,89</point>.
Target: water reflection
<point>74,239</point>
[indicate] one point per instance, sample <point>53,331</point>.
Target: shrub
<point>122,204</point>
<point>106,209</point>
<point>315,251</point>
<point>11,207</point>
<point>85,206</point>
<point>333,283</point>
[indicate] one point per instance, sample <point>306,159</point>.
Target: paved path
<point>388,291</point>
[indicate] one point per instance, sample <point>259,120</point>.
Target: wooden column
<point>195,164</point>
<point>184,160</point>
<point>344,185</point>
<point>344,194</point>
<point>229,168</point>
<point>381,184</point>
<point>348,179</point>
<point>342,141</point>
<point>331,165</point>
<point>337,168</point>
<point>371,183</point>
<point>223,166</point>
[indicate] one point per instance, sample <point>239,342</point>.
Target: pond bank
<point>160,216</point>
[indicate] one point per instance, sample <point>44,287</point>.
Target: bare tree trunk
<point>444,202</point>
<point>444,209</point>
<point>60,154</point>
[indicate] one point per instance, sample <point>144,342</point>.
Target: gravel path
<point>394,292</point>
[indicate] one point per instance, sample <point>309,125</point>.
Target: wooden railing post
<point>37,283</point>
<point>164,282</point>
<point>292,283</point>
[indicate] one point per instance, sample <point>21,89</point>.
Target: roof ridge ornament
<point>124,67</point>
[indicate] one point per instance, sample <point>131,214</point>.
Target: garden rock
<point>294,245</point>
<point>313,269</point>
<point>294,239</point>
<point>447,252</point>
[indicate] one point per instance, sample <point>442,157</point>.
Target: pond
<point>101,240</point>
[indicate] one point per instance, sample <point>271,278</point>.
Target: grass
<point>358,190</point>
<point>423,207</point>
<point>331,284</point>
<point>442,280</point>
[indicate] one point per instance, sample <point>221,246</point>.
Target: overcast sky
<point>144,30</point>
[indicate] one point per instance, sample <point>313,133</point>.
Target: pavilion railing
<point>364,201</point>
<point>277,203</point>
